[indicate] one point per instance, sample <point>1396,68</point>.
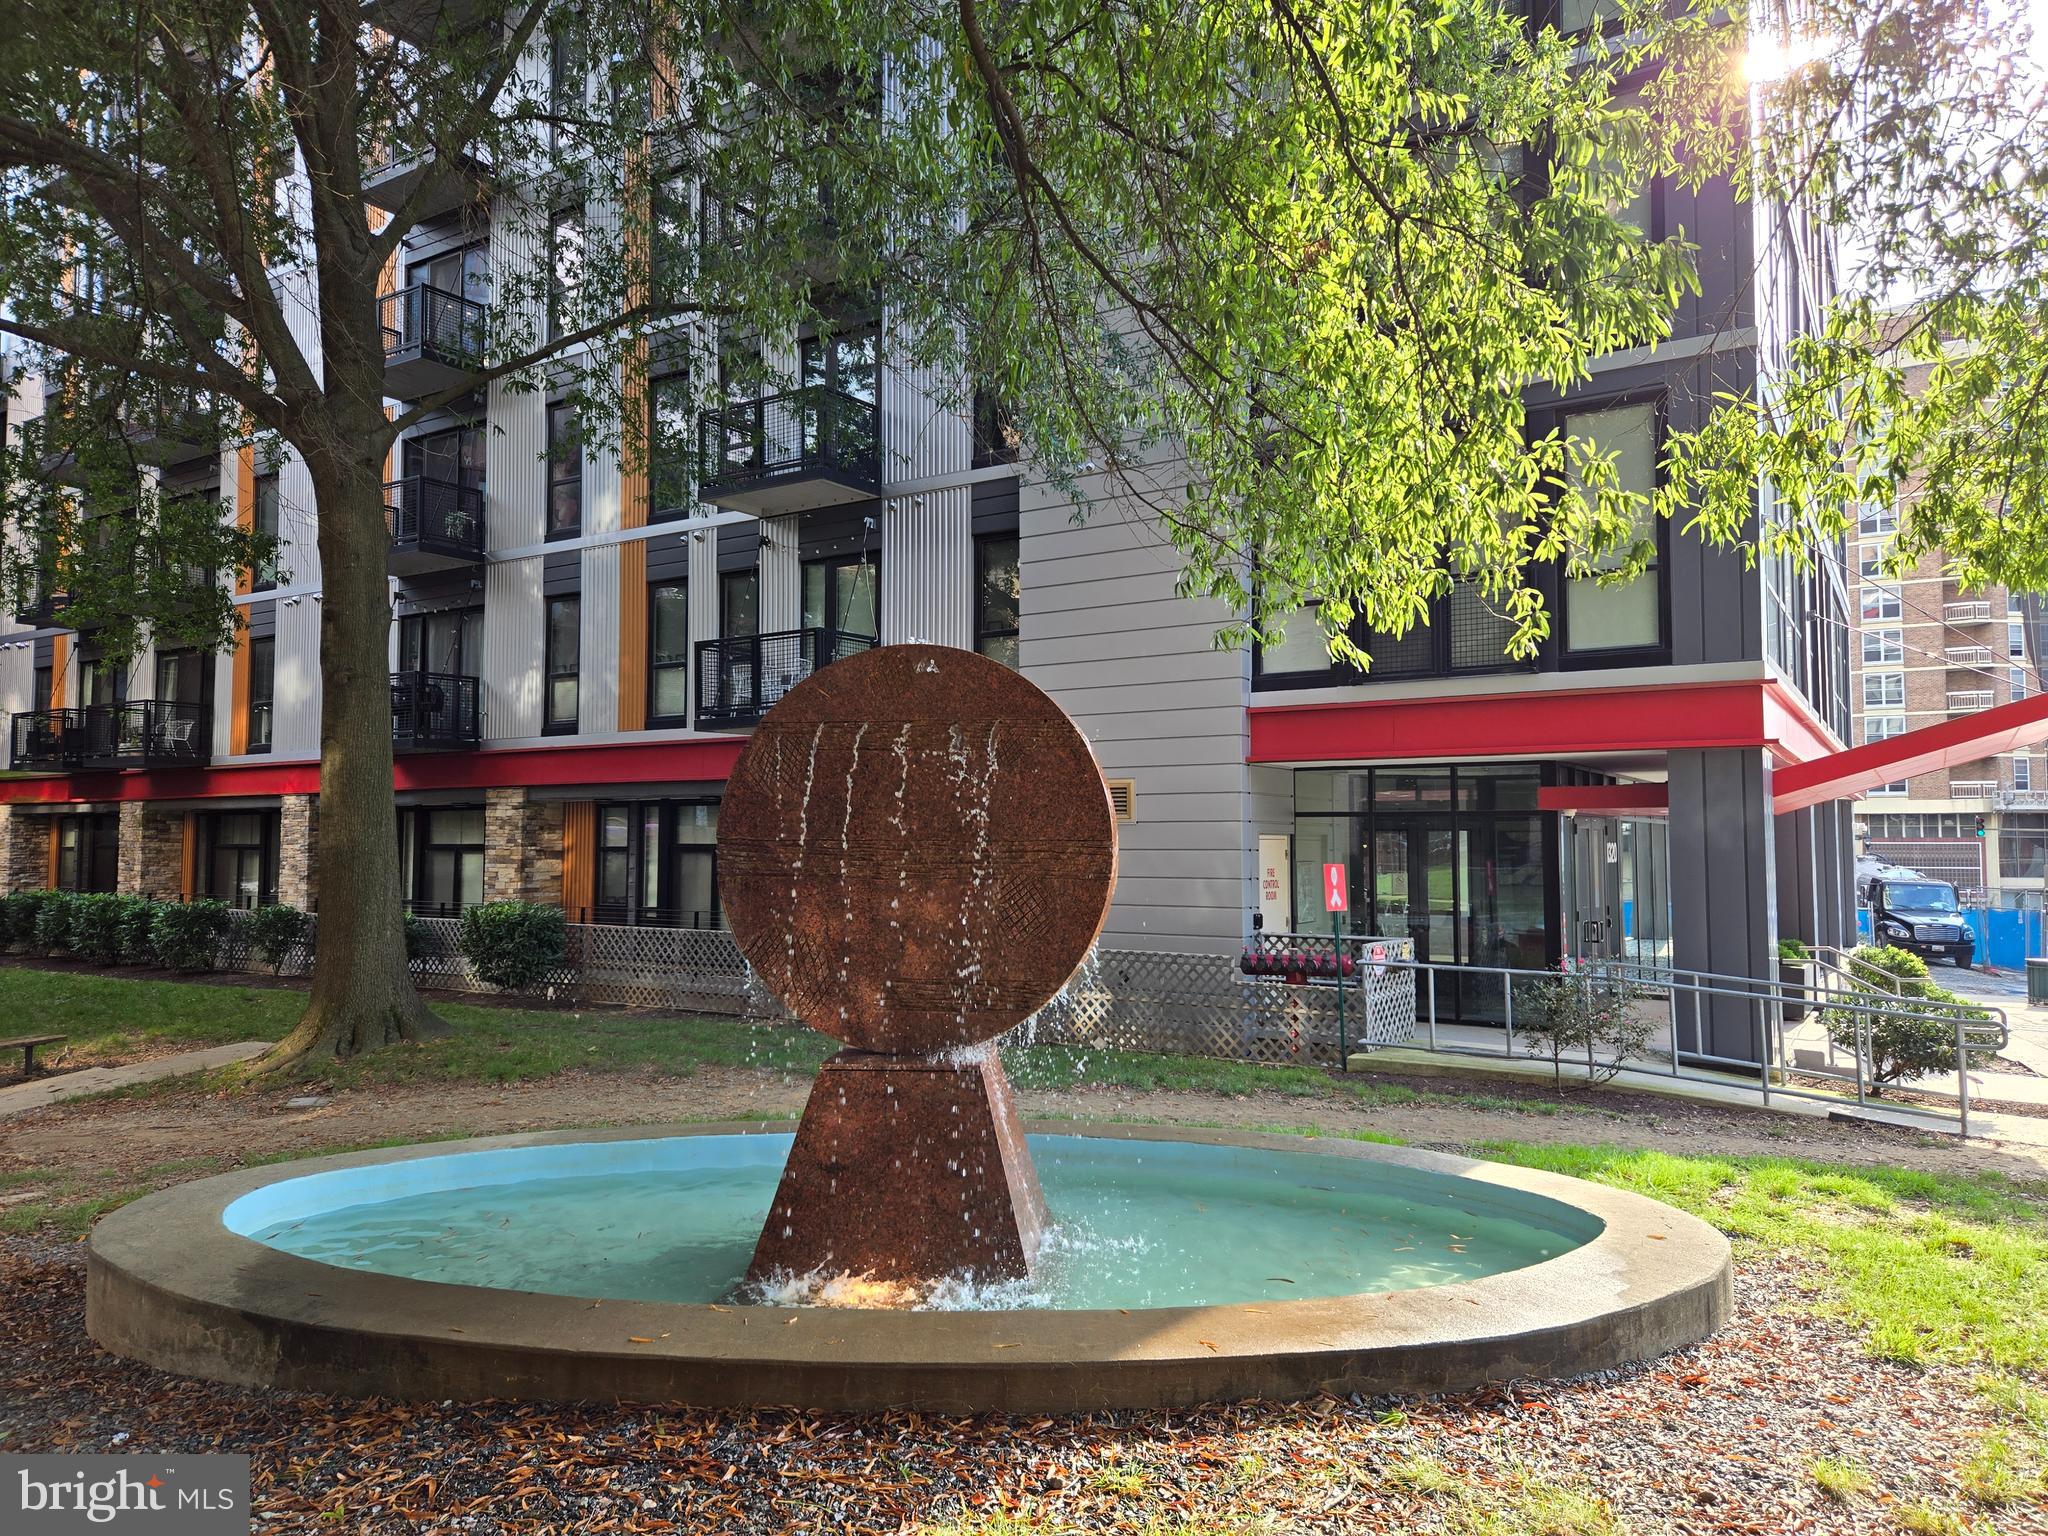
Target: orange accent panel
<point>579,857</point>
<point>188,858</point>
<point>60,667</point>
<point>238,689</point>
<point>245,507</point>
<point>633,636</point>
<point>635,439</point>
<point>50,880</point>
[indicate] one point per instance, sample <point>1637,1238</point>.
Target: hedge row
<point>511,945</point>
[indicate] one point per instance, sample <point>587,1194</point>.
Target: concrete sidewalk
<point>19,1098</point>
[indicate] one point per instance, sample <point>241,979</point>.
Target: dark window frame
<point>564,437</point>
<point>983,632</point>
<point>1557,595</point>
<point>668,855</point>
<point>562,293</point>
<point>682,466</point>
<point>264,705</point>
<point>657,667</point>
<point>830,619</point>
<point>418,823</point>
<point>264,577</point>
<point>555,671</point>
<point>266,848</point>
<point>728,581</point>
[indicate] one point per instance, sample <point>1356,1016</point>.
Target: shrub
<point>18,916</point>
<point>274,931</point>
<point>1905,1021</point>
<point>53,921</point>
<point>513,944</point>
<point>1582,1013</point>
<point>1793,950</point>
<point>96,926</point>
<point>415,938</point>
<point>186,935</point>
<point>138,920</point>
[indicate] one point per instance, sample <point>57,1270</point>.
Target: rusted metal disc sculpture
<point>916,850</point>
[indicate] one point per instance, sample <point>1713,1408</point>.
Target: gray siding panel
<point>512,648</point>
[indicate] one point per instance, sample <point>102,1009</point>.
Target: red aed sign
<point>1336,898</point>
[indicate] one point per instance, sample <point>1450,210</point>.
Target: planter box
<point>1793,974</point>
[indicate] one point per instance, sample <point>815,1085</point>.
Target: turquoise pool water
<point>1136,1223</point>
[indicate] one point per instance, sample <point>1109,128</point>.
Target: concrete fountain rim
<point>169,1284</point>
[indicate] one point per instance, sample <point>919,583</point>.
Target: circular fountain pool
<point>1181,1266</point>
<point>1135,1223</point>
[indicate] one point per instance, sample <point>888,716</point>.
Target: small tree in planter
<point>274,931</point>
<point>1579,1012</point>
<point>513,944</point>
<point>1793,978</point>
<point>53,922</point>
<point>186,935</point>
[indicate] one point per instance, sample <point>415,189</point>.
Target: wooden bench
<point>27,1045</point>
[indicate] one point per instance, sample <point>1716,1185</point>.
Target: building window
<point>1628,616</point>
<point>1869,559</point>
<point>2022,771</point>
<point>668,653</point>
<point>565,271</point>
<point>1875,522</point>
<point>998,597</point>
<point>1883,727</point>
<point>614,876</point>
<point>672,239</point>
<point>658,864</point>
<point>239,862</point>
<point>669,492</point>
<point>565,472</point>
<point>565,651</point>
<point>2016,639</point>
<point>441,850</point>
<point>1882,646</point>
<point>844,596</point>
<point>262,691</point>
<point>88,852</point>
<point>266,517</point>
<point>739,603</point>
<point>567,77</point>
<point>849,361</point>
<point>2016,679</point>
<point>45,688</point>
<point>1884,690</point>
<point>1880,603</point>
<point>450,643</point>
<point>1302,647</point>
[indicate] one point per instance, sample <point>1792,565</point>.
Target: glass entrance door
<point>1415,885</point>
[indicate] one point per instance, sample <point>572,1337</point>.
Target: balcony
<point>435,525</point>
<point>1969,701</point>
<point>39,610</point>
<point>1966,612</point>
<point>2023,799</point>
<point>183,431</point>
<point>460,182</point>
<point>1968,655</point>
<point>44,741</point>
<point>1972,789</point>
<point>812,447</point>
<point>433,340</point>
<point>435,712</point>
<point>419,22</point>
<point>740,677</point>
<point>155,733</point>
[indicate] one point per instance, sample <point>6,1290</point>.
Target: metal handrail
<point>435,709</point>
<point>426,510</point>
<point>808,429</point>
<point>432,321</point>
<point>739,677</point>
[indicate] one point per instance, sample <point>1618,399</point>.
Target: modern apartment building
<point>577,654</point>
<point>1928,651</point>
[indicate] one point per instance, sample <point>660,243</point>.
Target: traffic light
<point>1980,826</point>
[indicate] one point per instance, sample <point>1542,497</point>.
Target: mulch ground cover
<point>1720,1438</point>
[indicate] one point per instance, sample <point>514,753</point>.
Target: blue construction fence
<point>2006,939</point>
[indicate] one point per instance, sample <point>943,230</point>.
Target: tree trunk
<point>363,995</point>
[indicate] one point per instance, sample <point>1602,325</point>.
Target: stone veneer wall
<point>152,852</point>
<point>24,851</point>
<point>297,850</point>
<point>522,848</point>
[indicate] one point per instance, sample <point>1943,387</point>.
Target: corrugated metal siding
<point>512,648</point>
<point>1172,721</point>
<point>782,578</point>
<point>296,716</point>
<point>928,568</point>
<point>17,685</point>
<point>515,476</point>
<point>703,558</point>
<point>598,698</point>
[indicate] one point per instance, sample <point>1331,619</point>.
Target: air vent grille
<point>1123,796</point>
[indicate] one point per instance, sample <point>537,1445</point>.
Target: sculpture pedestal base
<point>905,1171</point>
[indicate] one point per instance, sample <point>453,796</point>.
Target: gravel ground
<point>1718,1438</point>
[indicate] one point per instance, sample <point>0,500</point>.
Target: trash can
<point>2037,981</point>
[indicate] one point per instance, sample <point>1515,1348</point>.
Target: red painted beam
<point>1606,799</point>
<point>709,759</point>
<point>1965,739</point>
<point>1529,723</point>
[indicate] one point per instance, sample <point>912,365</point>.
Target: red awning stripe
<point>1965,739</point>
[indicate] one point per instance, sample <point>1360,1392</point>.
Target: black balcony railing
<point>436,517</point>
<point>152,733</point>
<point>810,432</point>
<point>39,610</point>
<point>434,711</point>
<point>741,676</point>
<point>428,322</point>
<point>46,739</point>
